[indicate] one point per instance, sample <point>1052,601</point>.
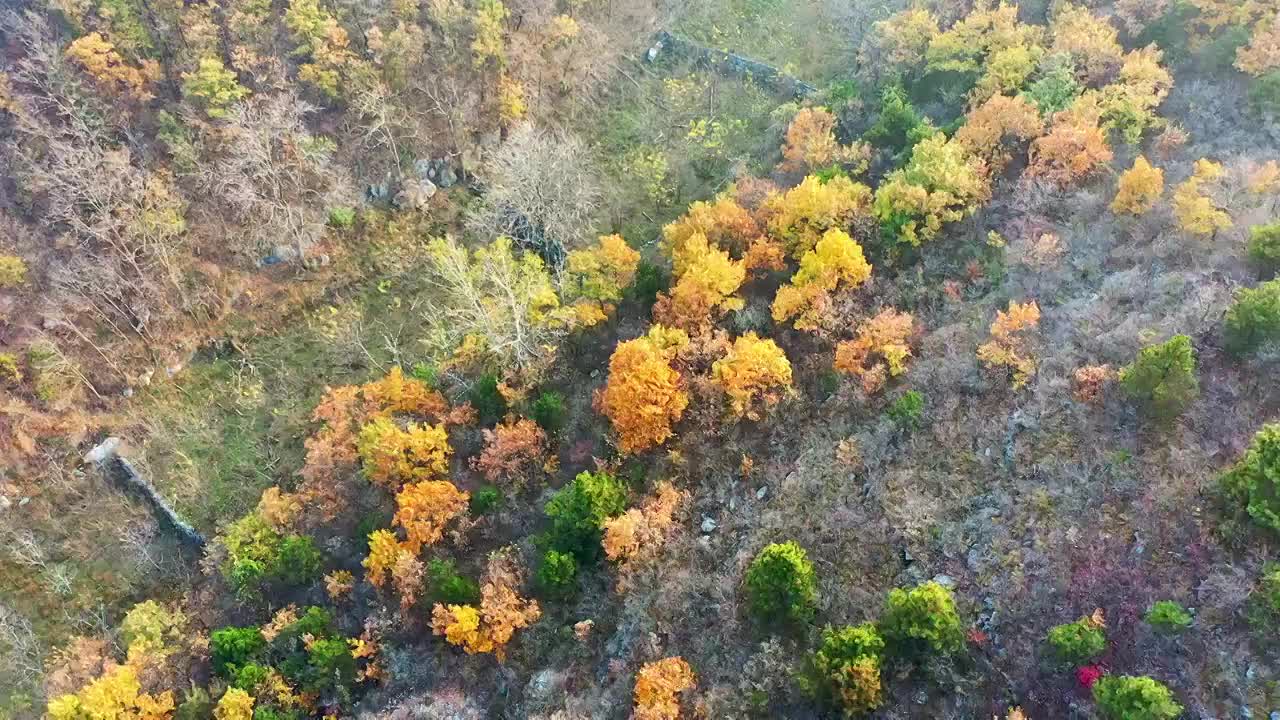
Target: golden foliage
<point>879,351</point>
<point>1129,105</point>
<point>596,277</point>
<point>811,144</point>
<point>116,695</point>
<point>980,35</point>
<point>1262,54</point>
<point>393,456</point>
<point>836,260</point>
<point>1140,188</point>
<point>644,395</point>
<point>902,39</point>
<point>800,216</point>
<point>424,508</point>
<point>384,550</point>
<point>753,373</point>
<point>705,288</point>
<point>658,686</point>
<point>501,613</point>
<point>1007,71</point>
<point>1195,210</point>
<point>637,536</point>
<point>723,223</point>
<point>100,60</point>
<point>1076,146</point>
<point>512,106</point>
<point>1009,345</point>
<point>514,451</point>
<point>1092,41</point>
<point>1264,178</point>
<point>339,584</point>
<point>235,704</point>
<point>988,128</point>
<point>398,394</point>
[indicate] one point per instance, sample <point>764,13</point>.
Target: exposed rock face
<point>728,64</point>
<point>106,457</point>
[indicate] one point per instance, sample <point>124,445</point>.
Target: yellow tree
<point>490,627</point>
<point>755,374</point>
<point>1140,188</point>
<point>1197,213</point>
<point>723,222</point>
<point>879,351</point>
<point>100,60</point>
<point>799,217</point>
<point>989,128</point>
<point>900,41</point>
<point>235,704</point>
<point>835,261</point>
<point>393,456</point>
<point>424,508</point>
<point>1262,54</point>
<point>706,287</point>
<point>116,695</point>
<point>1010,342</point>
<point>1090,40</point>
<point>384,551</point>
<point>644,395</point>
<point>658,688</point>
<point>597,276</point>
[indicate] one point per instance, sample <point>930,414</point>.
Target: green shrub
<point>1264,603</point>
<point>1056,88</point>
<point>1168,616</point>
<point>922,620</point>
<point>1264,248</point>
<point>343,218</point>
<point>1169,31</point>
<point>1163,377</point>
<point>314,621</point>
<point>907,410</point>
<point>1124,697</point>
<point>1078,642</point>
<point>549,411</point>
<point>578,511</point>
<point>558,574</point>
<point>845,670</point>
<point>1253,484</point>
<point>487,400</point>
<point>299,562</point>
<point>781,585</point>
<point>649,281</point>
<point>13,271</point>
<point>427,373</point>
<point>899,126</point>
<point>249,676</point>
<point>448,586</point>
<point>1253,319</point>
<point>485,500</point>
<point>330,666</point>
<point>1219,54</point>
<point>1264,94</point>
<point>257,554</point>
<point>233,647</point>
<point>9,371</point>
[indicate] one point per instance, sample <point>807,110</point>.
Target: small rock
<point>23,502</point>
<point>907,557</point>
<point>945,581</point>
<point>5,504</point>
<point>595,373</point>
<point>704,541</point>
<point>103,451</point>
<point>127,392</point>
<point>764,490</point>
<point>448,177</point>
<point>921,697</point>
<point>708,525</point>
<point>733,504</point>
<point>543,685</point>
<point>1275,715</point>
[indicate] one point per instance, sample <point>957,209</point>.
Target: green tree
<point>1253,484</point>
<point>578,511</point>
<point>845,670</point>
<point>1168,616</point>
<point>781,584</point>
<point>1253,319</point>
<point>230,648</point>
<point>446,585</point>
<point>1078,642</point>
<point>558,574</point>
<point>922,620</point>
<point>1264,248</point>
<point>1124,697</point>
<point>1162,378</point>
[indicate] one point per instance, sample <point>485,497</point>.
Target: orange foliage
<point>339,584</point>
<point>811,144</point>
<point>880,350</point>
<point>989,127</point>
<point>658,685</point>
<point>1009,344</point>
<point>722,223</point>
<point>502,611</point>
<point>644,395</point>
<point>424,508</point>
<point>1262,54</point>
<point>1090,381</point>
<point>636,537</point>
<point>99,59</point>
<point>409,396</point>
<point>1075,147</point>
<point>407,575</point>
<point>1140,188</point>
<point>514,451</point>
<point>755,372</point>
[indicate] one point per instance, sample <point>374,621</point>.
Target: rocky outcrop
<point>727,63</point>
<point>121,473</point>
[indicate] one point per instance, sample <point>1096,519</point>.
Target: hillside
<point>608,359</point>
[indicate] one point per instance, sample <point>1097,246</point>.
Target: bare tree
<point>541,190</point>
<point>277,179</point>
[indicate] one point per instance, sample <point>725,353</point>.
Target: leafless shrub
<point>541,190</point>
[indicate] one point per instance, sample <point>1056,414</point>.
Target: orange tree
<point>645,395</point>
<point>754,373</point>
